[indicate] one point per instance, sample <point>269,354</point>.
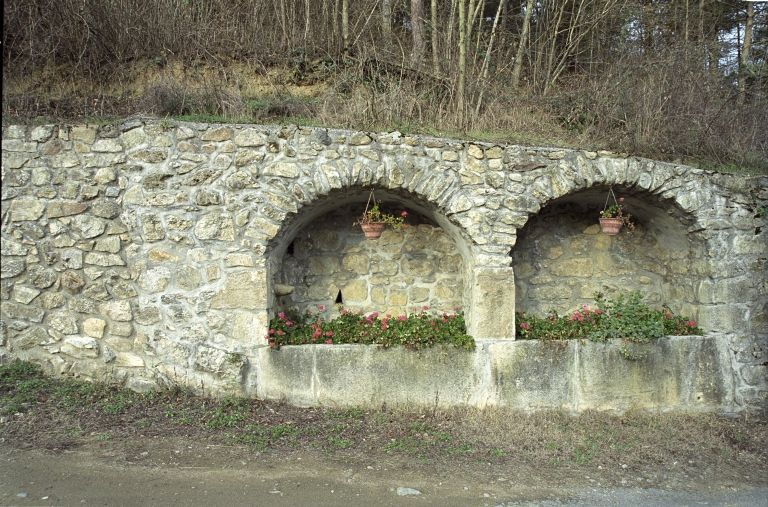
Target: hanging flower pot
<point>373,221</point>
<point>614,217</point>
<point>611,226</point>
<point>373,230</point>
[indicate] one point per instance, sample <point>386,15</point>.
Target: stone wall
<point>332,262</point>
<point>149,253</point>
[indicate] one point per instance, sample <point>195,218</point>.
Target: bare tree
<point>417,34</point>
<point>462,61</point>
<point>345,25</point>
<point>433,20</point>
<point>745,48</point>
<point>521,45</point>
<point>386,20</point>
<point>487,59</point>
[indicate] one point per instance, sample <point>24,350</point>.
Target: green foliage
<point>235,358</point>
<point>374,215</point>
<point>414,331</point>
<point>342,443</point>
<point>230,413</point>
<point>16,371</point>
<point>626,318</point>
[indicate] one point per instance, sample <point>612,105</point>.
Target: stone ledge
<point>518,374</point>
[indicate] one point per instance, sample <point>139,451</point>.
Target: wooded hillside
<point>665,78</point>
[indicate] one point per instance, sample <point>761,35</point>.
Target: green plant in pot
<point>614,217</point>
<point>373,221</point>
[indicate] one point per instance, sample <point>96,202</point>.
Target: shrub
<point>627,318</point>
<point>415,331</point>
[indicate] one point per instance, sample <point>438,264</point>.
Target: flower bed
<point>415,331</point>
<point>627,318</point>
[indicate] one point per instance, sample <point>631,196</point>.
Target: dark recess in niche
<point>289,251</point>
<point>339,299</point>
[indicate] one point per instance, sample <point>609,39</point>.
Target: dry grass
<point>263,60</point>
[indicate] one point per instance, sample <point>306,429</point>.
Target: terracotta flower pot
<point>611,226</point>
<point>373,230</point>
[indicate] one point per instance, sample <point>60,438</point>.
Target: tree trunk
<point>284,21</point>
<point>521,47</point>
<point>487,59</point>
<point>417,34</point>
<point>449,37</point>
<point>745,48</point>
<point>435,59</point>
<point>386,20</point>
<point>345,25</point>
<point>336,27</point>
<point>307,24</point>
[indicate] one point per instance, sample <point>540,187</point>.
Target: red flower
<point>525,326</point>
<point>280,332</point>
<point>425,307</point>
<point>404,214</point>
<point>621,199</point>
<point>271,344</point>
<point>668,315</point>
<point>329,333</point>
<point>320,307</point>
<point>329,342</point>
<point>281,315</point>
<point>271,331</point>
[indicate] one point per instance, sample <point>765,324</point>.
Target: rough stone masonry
<point>154,253</point>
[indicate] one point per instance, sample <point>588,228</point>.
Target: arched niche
<point>327,261</point>
<point>562,259</point>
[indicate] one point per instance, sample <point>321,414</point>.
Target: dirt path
<point>170,472</point>
<point>98,476</point>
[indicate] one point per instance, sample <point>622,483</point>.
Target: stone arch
<point>562,259</point>
<point>320,254</point>
<point>676,209</point>
<point>439,198</point>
